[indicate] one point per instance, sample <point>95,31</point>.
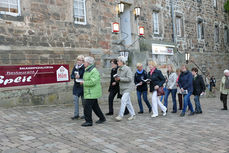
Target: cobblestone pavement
<point>50,129</point>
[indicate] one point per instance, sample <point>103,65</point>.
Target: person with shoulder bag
<point>156,88</point>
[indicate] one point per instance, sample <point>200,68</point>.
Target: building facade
<point>38,32</point>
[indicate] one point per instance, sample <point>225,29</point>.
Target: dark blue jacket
<point>77,88</point>
<point>186,81</point>
<point>156,78</point>
<point>138,77</point>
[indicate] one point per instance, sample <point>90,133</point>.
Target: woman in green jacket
<point>92,91</point>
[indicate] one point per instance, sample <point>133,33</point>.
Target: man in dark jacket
<point>198,89</point>
<point>77,74</point>
<point>186,84</point>
<point>114,86</point>
<point>140,78</point>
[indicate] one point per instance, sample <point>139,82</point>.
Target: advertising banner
<point>11,76</point>
<point>162,49</point>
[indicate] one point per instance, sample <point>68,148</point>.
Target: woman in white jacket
<point>171,88</point>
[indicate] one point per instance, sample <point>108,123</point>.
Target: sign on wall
<point>11,76</point>
<point>162,49</point>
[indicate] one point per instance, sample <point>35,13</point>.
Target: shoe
<point>153,116</point>
<point>131,118</point>
<point>140,112</point>
<point>150,110</point>
<point>118,118</point>
<point>164,113</point>
<point>126,113</point>
<point>224,109</point>
<point>174,112</point>
<point>100,121</point>
<point>182,114</point>
<point>109,113</point>
<point>82,117</point>
<point>86,124</point>
<point>191,114</point>
<point>75,117</point>
<point>198,112</point>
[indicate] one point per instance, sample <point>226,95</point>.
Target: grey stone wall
<point>45,33</point>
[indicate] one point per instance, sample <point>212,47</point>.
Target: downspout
<point>173,21</point>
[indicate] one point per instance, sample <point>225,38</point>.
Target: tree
<point>226,6</point>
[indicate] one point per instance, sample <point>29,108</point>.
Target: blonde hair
<point>139,64</point>
<point>153,63</point>
<point>171,66</point>
<point>80,57</point>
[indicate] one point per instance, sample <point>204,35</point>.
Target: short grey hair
<point>226,71</point>
<point>122,59</point>
<point>89,60</point>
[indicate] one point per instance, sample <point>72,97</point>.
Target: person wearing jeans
<point>125,78</point>
<point>156,80</point>
<point>171,88</point>
<point>186,84</point>
<point>198,89</point>
<point>140,78</point>
<point>77,73</point>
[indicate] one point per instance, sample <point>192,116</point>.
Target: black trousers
<point>92,104</point>
<point>111,97</point>
<point>223,98</point>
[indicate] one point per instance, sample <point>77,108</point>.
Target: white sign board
<point>62,74</point>
<point>162,49</point>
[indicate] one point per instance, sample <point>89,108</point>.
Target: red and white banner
<point>11,76</point>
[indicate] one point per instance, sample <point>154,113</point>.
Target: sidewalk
<point>50,129</point>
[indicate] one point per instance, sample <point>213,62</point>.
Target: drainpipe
<point>173,21</point>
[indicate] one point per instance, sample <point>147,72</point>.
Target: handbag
<point>160,91</point>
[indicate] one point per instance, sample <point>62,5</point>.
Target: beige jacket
<point>222,86</point>
<point>126,79</point>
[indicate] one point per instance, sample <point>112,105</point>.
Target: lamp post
<point>120,7</point>
<point>137,12</point>
<point>187,57</point>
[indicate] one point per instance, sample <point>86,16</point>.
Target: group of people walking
<point>87,86</point>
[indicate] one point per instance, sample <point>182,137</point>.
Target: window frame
<point>156,24</point>
<point>85,13</point>
<point>200,29</point>
<point>226,35</point>
<point>180,30</point>
<point>216,35</point>
<point>215,3</point>
<point>11,13</point>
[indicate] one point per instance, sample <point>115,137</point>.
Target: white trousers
<point>126,102</point>
<point>156,101</point>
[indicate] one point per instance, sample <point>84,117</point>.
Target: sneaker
<point>118,118</point>
<point>164,113</point>
<point>109,113</point>
<point>153,116</point>
<point>75,117</point>
<point>182,114</point>
<point>224,109</point>
<point>100,121</point>
<point>174,111</point>
<point>140,112</point>
<point>191,114</point>
<point>131,118</point>
<point>86,124</point>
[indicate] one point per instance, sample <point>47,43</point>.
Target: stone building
<point>37,32</point>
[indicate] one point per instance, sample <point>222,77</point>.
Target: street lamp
<point>141,31</point>
<point>121,7</point>
<point>137,12</point>
<point>187,57</point>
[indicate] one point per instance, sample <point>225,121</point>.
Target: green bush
<point>226,6</point>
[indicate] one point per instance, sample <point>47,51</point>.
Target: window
<point>200,29</point>
<point>10,7</point>
<point>216,35</point>
<point>215,3</point>
<point>155,23</point>
<point>226,35</point>
<point>79,12</point>
<point>178,25</point>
